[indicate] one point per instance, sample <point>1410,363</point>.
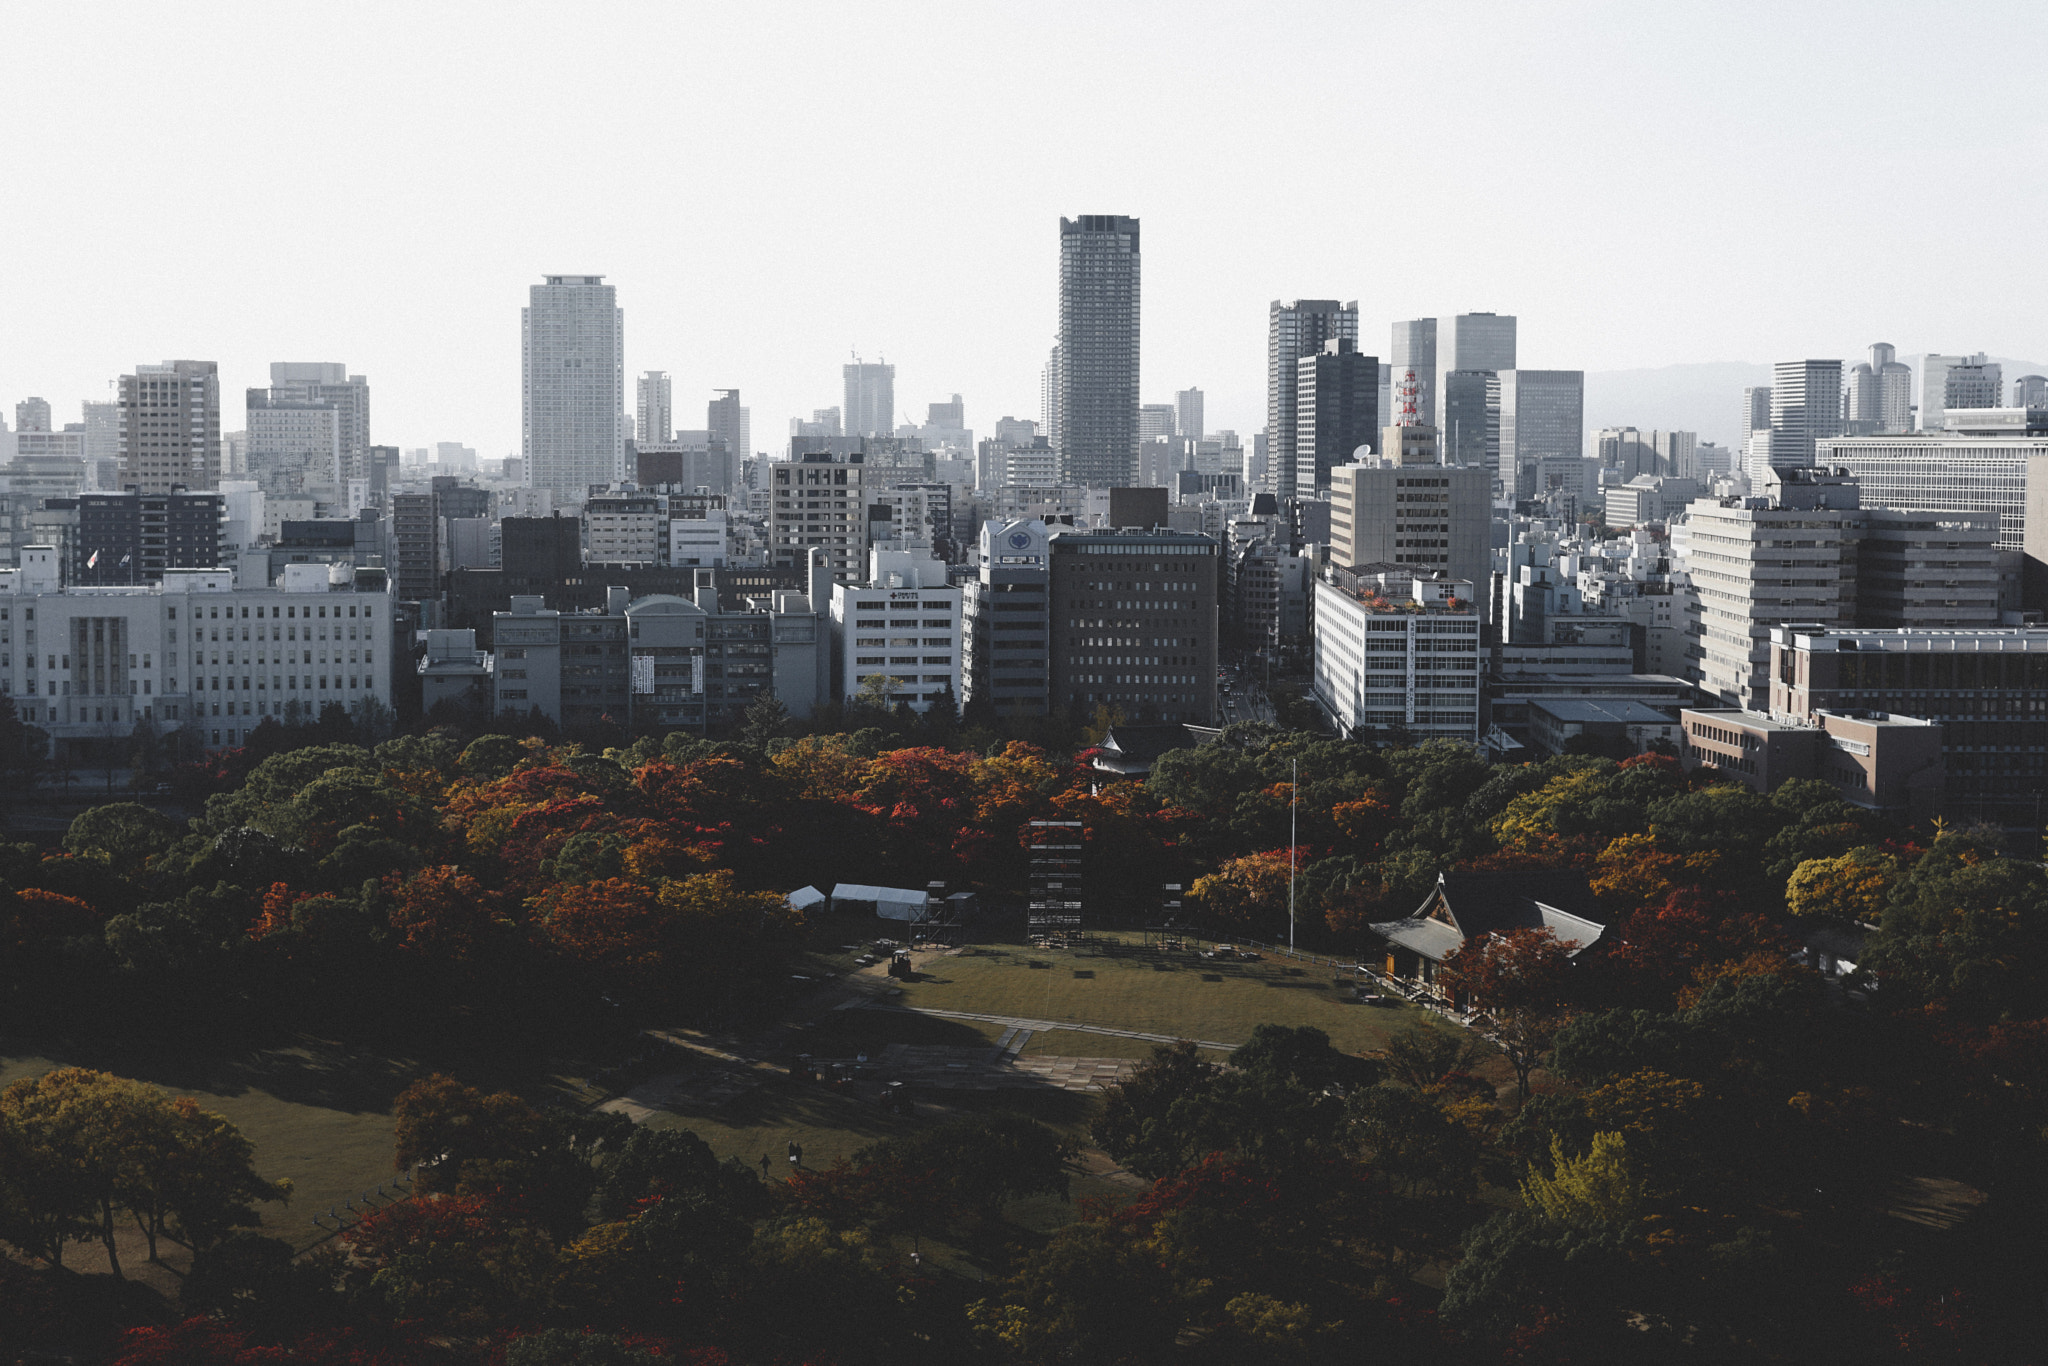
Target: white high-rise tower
<point>573,431</point>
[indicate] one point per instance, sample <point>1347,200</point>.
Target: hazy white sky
<point>770,185</point>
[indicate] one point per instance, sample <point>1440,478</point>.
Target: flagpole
<point>1293,821</point>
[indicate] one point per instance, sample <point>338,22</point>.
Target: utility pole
<point>1293,810</point>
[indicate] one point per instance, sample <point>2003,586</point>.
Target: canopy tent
<point>890,903</point>
<point>803,898</point>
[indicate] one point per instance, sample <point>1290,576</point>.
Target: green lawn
<point>318,1113</point>
<point>1119,984</point>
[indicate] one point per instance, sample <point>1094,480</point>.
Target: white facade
<point>573,340</point>
<point>903,624</point>
<point>1381,666</point>
<point>698,541</point>
<point>192,652</point>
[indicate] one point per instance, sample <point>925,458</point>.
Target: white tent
<point>890,903</point>
<point>803,898</point>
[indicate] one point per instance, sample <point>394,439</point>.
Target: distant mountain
<point>1704,398</point>
<point>1707,397</point>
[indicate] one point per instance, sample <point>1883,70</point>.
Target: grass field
<point>1118,983</point>
<point>319,1113</point>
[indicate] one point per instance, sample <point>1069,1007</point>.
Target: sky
<point>776,187</point>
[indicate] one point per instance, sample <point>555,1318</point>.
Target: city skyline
<point>415,286</point>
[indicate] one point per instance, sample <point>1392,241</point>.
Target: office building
<point>190,652</point>
<point>130,538</point>
<point>2028,391</point>
<point>1933,570</point>
<point>1946,382</point>
<point>1648,498</point>
<point>687,460</point>
<point>870,408</point>
<point>1397,654</point>
<point>1476,347</point>
<point>1887,763</point>
<point>291,448</point>
<point>32,415</point>
<point>1336,411</point>
<point>727,421</point>
<point>327,384</point>
<point>819,503</point>
<point>1542,417</point>
<point>1134,624</point>
<point>1756,413</point>
<point>901,625</point>
<point>1094,422</point>
<point>1155,422</point>
<point>1986,689</point>
<point>1877,396</point>
<point>1470,403</point>
<point>1806,406</point>
<point>573,378</point>
<point>1763,561</point>
<point>170,426</point>
<point>419,534</point>
<point>1295,330</point>
<point>1187,411</point>
<point>624,528</point>
<point>1413,362</point>
<point>1006,636</point>
<point>1405,509</point>
<point>1950,471</point>
<point>692,659</point>
<point>1677,453</point>
<point>654,414</point>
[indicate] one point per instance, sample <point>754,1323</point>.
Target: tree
<point>765,719</point>
<point>1852,886</point>
<point>1424,1058</point>
<point>126,833</point>
<point>1600,1187</point>
<point>1518,980</point>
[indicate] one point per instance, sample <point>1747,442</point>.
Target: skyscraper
<point>1474,348</point>
<point>1049,398</point>
<point>1295,330</point>
<point>1756,413</point>
<point>1336,406</point>
<point>308,387</point>
<point>1877,396</point>
<point>727,420</point>
<point>1187,405</point>
<point>1806,405</point>
<point>170,426</point>
<point>573,385</point>
<point>1097,422</point>
<point>654,417</point>
<point>1155,421</point>
<point>870,399</point>
<point>1542,416</point>
<point>1414,351</point>
<point>1934,386</point>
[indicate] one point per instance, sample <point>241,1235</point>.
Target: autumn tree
<point>1519,981</point>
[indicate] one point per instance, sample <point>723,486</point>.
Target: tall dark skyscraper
<point>1098,351</point>
<point>1293,331</point>
<point>1337,410</point>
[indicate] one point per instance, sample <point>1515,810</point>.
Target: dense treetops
<point>1696,1164</point>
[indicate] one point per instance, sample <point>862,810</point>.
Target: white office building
<point>573,341</point>
<point>190,652</point>
<point>903,624</point>
<point>1398,652</point>
<point>1976,470</point>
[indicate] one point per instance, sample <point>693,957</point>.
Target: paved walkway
<point>1040,1026</point>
